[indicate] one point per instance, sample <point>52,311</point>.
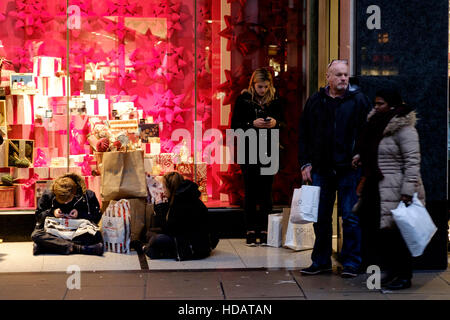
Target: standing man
<point>330,124</point>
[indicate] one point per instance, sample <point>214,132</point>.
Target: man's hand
<point>355,162</point>
<point>306,174</point>
<point>406,199</point>
<point>73,214</point>
<point>58,213</point>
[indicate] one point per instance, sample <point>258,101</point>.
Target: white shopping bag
<point>415,225</point>
<point>298,236</point>
<point>274,228</point>
<point>116,226</point>
<point>305,205</point>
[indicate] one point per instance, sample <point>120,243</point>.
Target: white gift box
<point>42,172</point>
<point>97,107</point>
<point>52,86</point>
<point>46,66</point>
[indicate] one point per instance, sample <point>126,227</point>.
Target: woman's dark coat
<point>187,222</point>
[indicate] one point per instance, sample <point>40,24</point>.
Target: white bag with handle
<point>305,205</point>
<point>415,225</point>
<point>116,226</point>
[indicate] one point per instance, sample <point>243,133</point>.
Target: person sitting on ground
<point>68,198</point>
<point>181,228</point>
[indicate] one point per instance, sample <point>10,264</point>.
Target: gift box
<point>52,86</point>
<point>148,165</point>
<point>58,162</point>
<point>200,176</point>
<point>56,172</point>
<point>148,130</point>
<point>94,87</point>
<point>21,131</point>
<point>124,110</point>
<point>19,153</point>
<point>6,70</point>
<point>58,105</point>
<point>166,162</point>
<point>42,172</point>
<point>22,173</point>
<point>130,126</point>
<point>23,109</point>
<point>97,107</point>
<point>24,196</point>
<point>46,66</point>
<point>153,146</point>
<point>93,183</point>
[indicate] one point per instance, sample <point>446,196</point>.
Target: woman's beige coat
<point>399,162</point>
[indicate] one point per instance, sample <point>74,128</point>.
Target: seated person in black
<point>68,198</point>
<point>181,228</point>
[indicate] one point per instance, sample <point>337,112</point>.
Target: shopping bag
<point>123,175</point>
<point>415,225</point>
<point>116,226</point>
<point>305,204</point>
<point>274,229</point>
<point>297,236</point>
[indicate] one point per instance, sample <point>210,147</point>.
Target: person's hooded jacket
<point>187,222</point>
<point>85,202</point>
<point>399,163</point>
<point>329,128</point>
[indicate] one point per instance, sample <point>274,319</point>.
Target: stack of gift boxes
<point>35,127</point>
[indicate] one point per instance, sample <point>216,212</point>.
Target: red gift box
<point>24,196</point>
<point>21,131</point>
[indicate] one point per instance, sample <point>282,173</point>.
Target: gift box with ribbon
<point>97,106</point>
<point>52,86</point>
<point>23,109</point>
<point>153,146</point>
<point>44,66</point>
<point>42,172</point>
<point>21,131</point>
<point>23,173</point>
<point>24,196</point>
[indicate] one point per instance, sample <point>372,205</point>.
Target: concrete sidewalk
<point>232,284</point>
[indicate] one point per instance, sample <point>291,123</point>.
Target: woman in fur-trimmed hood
<point>390,157</point>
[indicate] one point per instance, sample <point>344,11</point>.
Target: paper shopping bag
<point>274,230</point>
<point>297,236</point>
<point>123,175</point>
<point>305,204</point>
<point>116,227</point>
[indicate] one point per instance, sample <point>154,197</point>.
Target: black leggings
<point>258,190</point>
<point>396,256</point>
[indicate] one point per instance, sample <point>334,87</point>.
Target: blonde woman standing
<point>256,110</point>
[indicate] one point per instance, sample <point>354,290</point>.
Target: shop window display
<point>82,77</point>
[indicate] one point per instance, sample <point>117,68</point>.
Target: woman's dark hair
<point>391,96</point>
<point>172,181</point>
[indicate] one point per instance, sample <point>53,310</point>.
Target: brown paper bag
<point>123,175</point>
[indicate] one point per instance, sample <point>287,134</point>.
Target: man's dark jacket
<point>85,202</point>
<point>329,128</point>
<point>187,222</point>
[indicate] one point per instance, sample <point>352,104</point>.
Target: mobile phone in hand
<point>267,119</point>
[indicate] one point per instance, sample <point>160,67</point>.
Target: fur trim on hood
<point>399,122</point>
<point>81,185</point>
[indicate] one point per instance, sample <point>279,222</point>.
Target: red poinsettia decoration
<point>121,8</point>
<point>172,12</point>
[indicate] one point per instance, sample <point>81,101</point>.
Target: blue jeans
<point>344,182</point>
